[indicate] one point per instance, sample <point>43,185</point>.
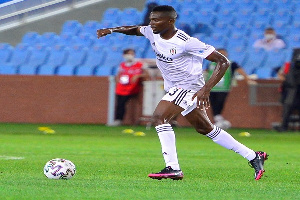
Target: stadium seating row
<point>43,60</point>
<point>76,51</point>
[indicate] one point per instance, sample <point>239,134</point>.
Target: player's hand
<point>103,32</point>
<point>202,98</point>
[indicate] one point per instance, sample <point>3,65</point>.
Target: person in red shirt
<point>128,80</point>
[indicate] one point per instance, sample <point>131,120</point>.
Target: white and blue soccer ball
<point>59,168</point>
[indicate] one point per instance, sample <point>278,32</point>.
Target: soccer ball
<point>59,168</point>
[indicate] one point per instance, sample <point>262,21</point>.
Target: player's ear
<point>171,21</point>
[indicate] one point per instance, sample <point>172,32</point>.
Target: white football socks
<point>224,139</point>
<point>168,145</point>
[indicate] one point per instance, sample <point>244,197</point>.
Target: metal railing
<point>19,12</point>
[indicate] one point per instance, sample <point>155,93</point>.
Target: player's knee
<point>204,129</point>
<point>158,119</point>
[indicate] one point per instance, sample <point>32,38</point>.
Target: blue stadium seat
<point>237,41</point>
<point>109,23</point>
<point>84,39</point>
<point>264,73</point>
<point>57,57</point>
<point>205,17</point>
<point>296,19</point>
<point>275,59</point>
<point>238,55</point>
<point>76,57</point>
<point>120,39</point>
<point>114,56</point>
<point>255,35</point>
<point>246,6</point>
<point>283,33</point>
<point>104,71</point>
<point>200,36</point>
<point>187,27</point>
<point>91,27</point>
<point>203,28</point>
<point>225,21</point>
<point>294,40</point>
<point>50,39</point>
<point>254,60</point>
<point>20,55</point>
<point>241,29</point>
<point>190,5</point>
<point>266,4</point>
<point>244,18</point>
<point>104,41</point>
<point>295,27</point>
<point>72,27</point>
<point>217,40</point>
<point>282,20</point>
<point>227,7</point>
<point>226,31</point>
<point>95,58</point>
<point>66,39</point>
<point>176,4</point>
<point>285,4</point>
<point>111,14</point>
<point>259,25</point>
<point>5,52</point>
<point>131,15</point>
<point>209,5</point>
<point>31,38</point>
<point>142,41</point>
<point>186,16</point>
<point>39,55</point>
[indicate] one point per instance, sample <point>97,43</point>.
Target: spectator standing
<point>128,81</point>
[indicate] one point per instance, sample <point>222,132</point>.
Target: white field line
<point>11,158</point>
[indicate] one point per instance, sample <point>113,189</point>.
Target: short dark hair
<point>167,9</point>
<point>128,50</point>
<point>269,29</point>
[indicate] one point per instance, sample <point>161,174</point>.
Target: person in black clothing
<point>220,92</point>
<point>290,92</point>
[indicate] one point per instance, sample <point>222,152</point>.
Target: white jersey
<point>179,59</point>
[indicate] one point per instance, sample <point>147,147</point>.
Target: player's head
<point>162,18</point>
<point>129,55</point>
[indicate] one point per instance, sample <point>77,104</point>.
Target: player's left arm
<point>127,30</point>
<point>222,65</point>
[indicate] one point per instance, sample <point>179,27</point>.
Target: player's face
<point>159,22</point>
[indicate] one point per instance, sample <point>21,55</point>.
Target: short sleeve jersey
<point>179,59</point>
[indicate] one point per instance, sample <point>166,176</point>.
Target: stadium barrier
<point>90,100</point>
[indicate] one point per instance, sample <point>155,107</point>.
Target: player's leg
<point>163,114</point>
<point>217,102</point>
<point>120,109</point>
<point>200,121</point>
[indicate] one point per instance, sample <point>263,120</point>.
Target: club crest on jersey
<point>173,51</point>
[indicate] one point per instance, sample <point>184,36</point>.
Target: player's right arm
<point>127,30</point>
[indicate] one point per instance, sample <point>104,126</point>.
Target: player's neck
<point>168,34</point>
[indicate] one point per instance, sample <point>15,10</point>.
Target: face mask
<point>128,57</point>
<point>270,36</point>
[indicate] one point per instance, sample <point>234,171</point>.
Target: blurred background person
<point>128,83</point>
<point>220,92</point>
<point>270,41</point>
<point>290,91</point>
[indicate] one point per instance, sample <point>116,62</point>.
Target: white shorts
<point>182,98</point>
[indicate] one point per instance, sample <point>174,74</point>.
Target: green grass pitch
<point>114,165</point>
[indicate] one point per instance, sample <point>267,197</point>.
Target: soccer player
<point>179,58</point>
